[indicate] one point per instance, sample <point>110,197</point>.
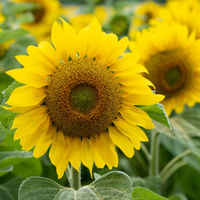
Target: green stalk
<point>174,168</point>
<point>74,177</point>
<point>172,162</point>
<point>145,151</point>
<point>154,151</point>
<point>141,160</point>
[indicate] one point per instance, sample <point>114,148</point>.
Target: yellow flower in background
<point>171,55</point>
<point>185,12</point>
<point>2,18</point>
<point>143,14</point>
<point>79,21</point>
<point>81,98</point>
<point>146,11</point>
<point>45,14</point>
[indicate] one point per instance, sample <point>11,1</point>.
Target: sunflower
<point>46,12</point>
<point>171,55</point>
<point>2,18</point>
<point>143,14</point>
<point>188,14</point>
<point>79,21</point>
<point>81,98</point>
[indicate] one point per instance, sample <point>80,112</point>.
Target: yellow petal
<point>82,39</point>
<point>50,52</point>
<point>40,56</point>
<point>19,119</point>
<point>124,62</point>
<point>57,148</point>
<point>34,65</point>
<point>143,99</point>
<point>107,149</point>
<point>134,80</point>
<point>70,40</point>
<point>28,77</point>
<point>121,46</point>
<point>93,43</point>
<point>136,116</point>
<point>17,109</point>
<point>26,96</point>
<point>121,141</point>
<point>105,51</point>
<point>64,161</point>
<point>31,140</point>
<point>130,130</point>
<point>97,158</point>
<point>87,153</point>
<point>44,142</point>
<point>57,37</point>
<point>75,153</point>
<point>136,89</point>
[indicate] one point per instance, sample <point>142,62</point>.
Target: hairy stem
<point>172,162</point>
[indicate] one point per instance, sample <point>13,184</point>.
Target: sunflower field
<point>100,100</point>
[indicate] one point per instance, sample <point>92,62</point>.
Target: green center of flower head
<point>38,12</point>
<point>119,24</point>
<point>169,71</point>
<point>83,98</point>
<point>173,75</point>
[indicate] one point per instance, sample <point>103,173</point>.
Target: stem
<point>69,175</point>
<point>142,161</point>
<point>154,151</point>
<point>74,177</point>
<point>175,167</point>
<point>172,162</point>
<point>146,152</point>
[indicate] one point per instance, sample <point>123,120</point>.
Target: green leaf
<point>12,186</point>
<point>5,170</point>
<point>157,113</point>
<point>13,157</point>
<point>113,185</point>
<point>35,188</point>
<point>179,196</point>
<point>5,80</point>
<point>10,88</point>
<point>140,193</point>
<point>7,35</point>
<point>12,8</point>
<point>3,132</point>
<point>5,194</point>
<point>28,168</point>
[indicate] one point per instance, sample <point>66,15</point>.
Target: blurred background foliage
<point>176,172</point>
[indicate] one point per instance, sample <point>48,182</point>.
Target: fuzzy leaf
<point>140,193</point>
<point>5,170</point>
<point>113,185</point>
<point>157,113</point>
<point>13,157</point>
<point>7,35</point>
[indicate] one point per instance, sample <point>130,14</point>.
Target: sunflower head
<point>170,54</point>
<point>188,14</point>
<point>44,13</point>
<point>119,24</point>
<point>81,98</point>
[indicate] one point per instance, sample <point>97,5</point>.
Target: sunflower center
<point>173,75</point>
<point>169,71</point>
<point>38,13</point>
<point>83,98</point>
